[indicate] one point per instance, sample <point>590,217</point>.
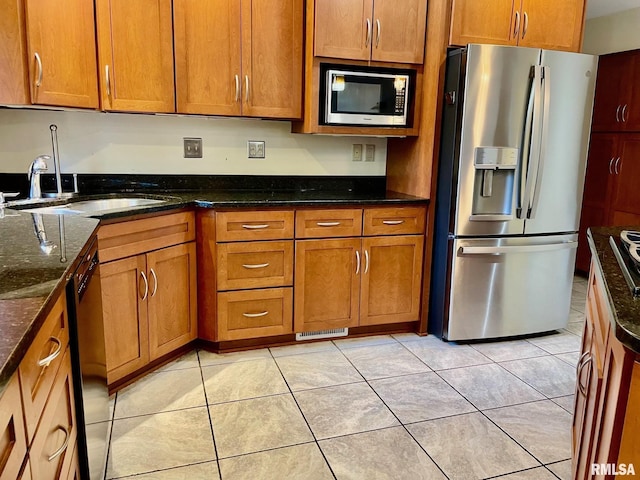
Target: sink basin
<point>96,206</point>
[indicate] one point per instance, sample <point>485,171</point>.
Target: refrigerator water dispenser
<point>493,191</point>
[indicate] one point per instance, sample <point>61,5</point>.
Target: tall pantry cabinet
<point>613,165</point>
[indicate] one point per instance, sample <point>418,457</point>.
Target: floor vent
<point>336,332</point>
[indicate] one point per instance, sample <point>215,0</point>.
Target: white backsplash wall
<point>96,142</point>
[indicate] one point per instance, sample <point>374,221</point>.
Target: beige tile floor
<point>384,407</point>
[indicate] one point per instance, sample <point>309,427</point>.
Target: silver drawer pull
<point>255,227</point>
<point>50,358</point>
<point>259,265</point>
<point>59,452</point>
<point>393,222</point>
<point>254,315</point>
<point>327,224</point>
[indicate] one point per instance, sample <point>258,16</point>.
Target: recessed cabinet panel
<point>553,25</point>
<point>14,83</point>
<point>13,442</point>
<point>488,21</point>
<point>207,56</point>
<point>62,55</point>
<point>135,50</point>
<point>398,31</point>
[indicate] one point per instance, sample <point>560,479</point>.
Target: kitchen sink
<point>90,207</point>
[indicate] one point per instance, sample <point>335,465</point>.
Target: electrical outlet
<point>356,154</point>
<point>370,153</point>
<point>192,147</point>
<point>256,149</point>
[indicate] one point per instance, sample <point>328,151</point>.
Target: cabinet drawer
<point>394,221</point>
<point>39,366</point>
<point>52,449</point>
<point>13,441</point>
<point>125,239</point>
<point>243,226</point>
<point>328,223</point>
<point>255,313</point>
<point>255,265</point>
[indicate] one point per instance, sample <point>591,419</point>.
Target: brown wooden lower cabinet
<point>13,441</point>
<point>149,307</point>
<point>607,408</point>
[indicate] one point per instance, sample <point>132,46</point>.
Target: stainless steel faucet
<point>38,166</point>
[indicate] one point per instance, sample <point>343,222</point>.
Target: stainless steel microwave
<point>365,97</point>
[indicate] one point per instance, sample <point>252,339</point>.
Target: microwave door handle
<point>525,151</point>
<point>544,132</point>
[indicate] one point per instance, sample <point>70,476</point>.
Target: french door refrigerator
<point>515,134</point>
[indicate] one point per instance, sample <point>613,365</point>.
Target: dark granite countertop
<point>625,307</point>
<point>31,279</point>
<point>33,276</point>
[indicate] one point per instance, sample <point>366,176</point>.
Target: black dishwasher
<point>88,361</point>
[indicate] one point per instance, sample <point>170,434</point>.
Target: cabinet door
<point>13,441</point>
<point>208,68</point>
<point>272,58</point>
<point>172,298</point>
<point>631,107</point>
<point>553,25</point>
<point>14,86</point>
<point>327,284</point>
<point>62,53</point>
<point>124,293</point>
<point>607,105</point>
<point>627,170</point>
<point>343,29</point>
<point>399,29</point>
<point>391,279</point>
<point>600,162</point>
<point>490,21</point>
<point>135,50</point>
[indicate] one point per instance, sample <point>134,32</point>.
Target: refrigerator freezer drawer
<point>504,287</point>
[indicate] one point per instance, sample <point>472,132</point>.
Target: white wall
<point>95,142</point>
<point>612,33</point>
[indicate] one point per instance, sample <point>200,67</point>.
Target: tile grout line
<point>206,401</point>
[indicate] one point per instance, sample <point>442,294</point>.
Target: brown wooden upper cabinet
<point>239,57</point>
<point>550,24</point>
<point>617,100</point>
<point>135,53</point>
<point>61,53</point>
<point>14,85</point>
<point>376,30</point>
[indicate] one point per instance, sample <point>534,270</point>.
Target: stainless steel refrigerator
<point>515,134</point>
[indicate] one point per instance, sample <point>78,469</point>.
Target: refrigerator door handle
<point>534,150</point>
<point>501,250</point>
<point>544,132</point>
<point>526,148</point>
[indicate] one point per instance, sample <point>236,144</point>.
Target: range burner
<point>627,252</point>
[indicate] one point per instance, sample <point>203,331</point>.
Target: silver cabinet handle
<point>618,113</point>
<point>146,285</point>
<point>584,361</point>
<point>624,112</point>
<point>525,25</point>
<point>357,262</point>
<point>610,165</point>
<point>378,32</point>
<point>59,452</point>
<point>615,167</point>
<point>39,62</point>
<point>107,80</point>
<point>255,227</point>
<point>44,362</point>
<point>366,261</point>
<point>155,282</point>
<point>368,38</point>
<point>254,315</point>
<point>327,224</point>
<point>393,222</point>
<point>259,265</point>
<point>237,88</point>
<point>246,88</point>
<point>516,25</point>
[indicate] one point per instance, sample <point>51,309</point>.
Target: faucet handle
<point>5,195</point>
